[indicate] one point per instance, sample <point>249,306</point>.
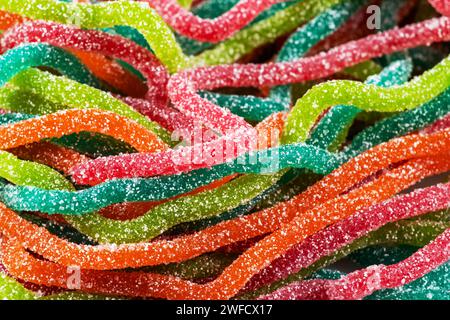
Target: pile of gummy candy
<point>225,149</point>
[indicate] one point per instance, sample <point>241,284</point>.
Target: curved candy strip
<point>95,145</point>
<point>70,121</point>
<point>308,109</point>
<point>70,94</point>
<point>60,158</point>
<point>170,287</point>
<point>362,283</point>
<point>35,55</point>
<point>25,172</point>
<point>109,14</point>
<point>94,41</point>
<point>443,6</point>
<point>215,30</point>
<point>342,233</point>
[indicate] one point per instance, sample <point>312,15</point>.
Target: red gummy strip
<point>91,40</point>
<point>210,30</point>
<point>183,89</point>
<point>439,125</point>
<point>362,283</point>
<point>184,127</point>
<point>328,240</point>
<point>443,6</point>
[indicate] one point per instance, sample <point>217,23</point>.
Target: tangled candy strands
<point>378,234</point>
<point>147,21</point>
<point>361,283</point>
<point>426,157</point>
<point>90,40</point>
<point>140,229</point>
<point>346,231</point>
<point>163,286</point>
<point>341,176</point>
<point>183,92</point>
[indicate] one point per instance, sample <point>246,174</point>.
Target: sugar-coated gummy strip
<point>308,108</point>
<point>76,120</point>
<point>362,283</point>
<point>215,30</point>
<point>87,143</point>
<point>170,287</point>
<point>26,172</point>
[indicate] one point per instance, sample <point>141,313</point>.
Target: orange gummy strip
<point>65,122</point>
